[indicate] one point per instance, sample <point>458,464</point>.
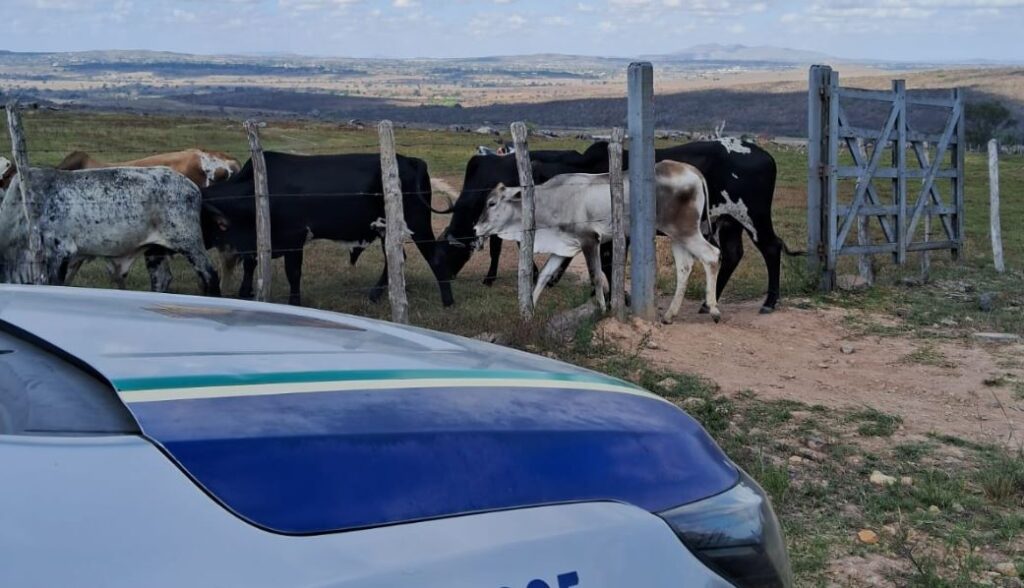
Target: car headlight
<point>735,534</point>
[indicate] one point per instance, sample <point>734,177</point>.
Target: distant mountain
<point>744,53</point>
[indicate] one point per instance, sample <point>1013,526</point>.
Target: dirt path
<point>812,356</point>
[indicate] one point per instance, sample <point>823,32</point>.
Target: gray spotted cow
<point>573,215</point>
<point>114,214</point>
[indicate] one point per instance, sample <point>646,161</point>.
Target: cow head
<point>215,227</point>
<point>503,213</point>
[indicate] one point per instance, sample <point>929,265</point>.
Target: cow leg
<point>293,271</point>
<point>771,250</point>
<point>730,239</point>
<point>560,272</point>
<point>71,270</point>
<point>118,270</point>
<point>592,254</point>
<point>440,270</point>
<point>684,265</point>
<point>709,257</point>
<point>545,275</point>
<point>248,270</point>
<point>495,249</point>
<point>159,269</point>
<point>382,282</point>
<point>209,281</point>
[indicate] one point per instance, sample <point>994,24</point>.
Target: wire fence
<point>101,207</point>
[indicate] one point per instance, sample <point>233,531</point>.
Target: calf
<point>114,214</point>
<point>573,214</point>
<point>335,197</point>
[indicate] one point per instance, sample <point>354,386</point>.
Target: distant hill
<point>744,53</point>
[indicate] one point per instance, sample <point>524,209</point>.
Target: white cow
<point>113,213</point>
<point>573,214</point>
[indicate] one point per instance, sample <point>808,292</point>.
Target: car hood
<point>304,421</point>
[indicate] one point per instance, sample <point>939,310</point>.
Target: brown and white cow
<point>202,167</point>
<point>573,214</point>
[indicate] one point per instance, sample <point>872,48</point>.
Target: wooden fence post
<point>33,259</point>
<point>817,159</point>
<point>926,256</point>
<point>865,266</point>
<point>262,196</point>
<point>899,161</point>
<point>529,220</point>
<point>396,230</point>
<point>642,202</point>
<point>993,195</point>
<point>618,224</point>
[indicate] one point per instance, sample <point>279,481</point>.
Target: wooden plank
<point>899,157</point>
<point>642,205</point>
<point>921,153</point>
<point>519,136</point>
<point>262,195</point>
<point>872,195</point>
<point>394,218</point>
<point>618,197</point>
<point>931,101</point>
<point>33,270</point>
<point>859,94</point>
<point>995,227</point>
<point>892,210</point>
<point>932,245</point>
<point>864,181</point>
<point>864,261</point>
<point>929,180</point>
<point>847,172</point>
<point>960,153</point>
<point>831,202</point>
<point>873,249</point>
<point>817,80</point>
<point>874,134</point>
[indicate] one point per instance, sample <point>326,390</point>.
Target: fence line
<point>34,261</point>
<point>618,196</point>
<point>394,217</point>
<point>995,226</point>
<point>642,207</point>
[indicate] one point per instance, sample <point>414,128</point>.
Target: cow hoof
<point>767,309</point>
<point>489,282</point>
<point>716,316</point>
<point>704,309</point>
<point>667,320</point>
<point>376,295</point>
<point>295,302</point>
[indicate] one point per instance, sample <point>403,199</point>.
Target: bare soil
<point>814,356</point>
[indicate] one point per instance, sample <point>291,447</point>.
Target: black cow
<point>483,174</point>
<point>335,197</point>
<point>741,181</point>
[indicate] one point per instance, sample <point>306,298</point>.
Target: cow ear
<point>515,195</point>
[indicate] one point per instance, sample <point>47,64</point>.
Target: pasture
<point>811,400</point>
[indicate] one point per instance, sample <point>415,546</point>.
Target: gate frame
<point>830,223</point>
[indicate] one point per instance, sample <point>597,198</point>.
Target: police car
<point>157,440</point>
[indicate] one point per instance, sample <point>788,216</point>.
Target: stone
<point>668,384</point>
<point>996,337</point>
<point>867,536</point>
<point>957,507</point>
<point>906,481</point>
<point>489,337</point>
<point>879,479</point>
<point>934,509</point>
<point>847,349</point>
<point>815,443</point>
<point>987,301</point>
<point>812,455</point>
<point>486,131</point>
<point>890,530</point>
<point>850,283</point>
<point>1008,569</point>
<point>796,459</point>
<point>693,403</point>
<point>563,326</point>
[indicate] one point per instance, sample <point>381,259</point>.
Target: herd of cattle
<point>191,201</point>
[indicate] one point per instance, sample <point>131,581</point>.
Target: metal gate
<point>882,220</point>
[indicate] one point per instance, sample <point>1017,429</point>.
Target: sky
<point>914,30</point>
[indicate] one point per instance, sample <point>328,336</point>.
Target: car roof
<point>133,336</point>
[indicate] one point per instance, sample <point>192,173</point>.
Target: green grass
<point>823,502</point>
